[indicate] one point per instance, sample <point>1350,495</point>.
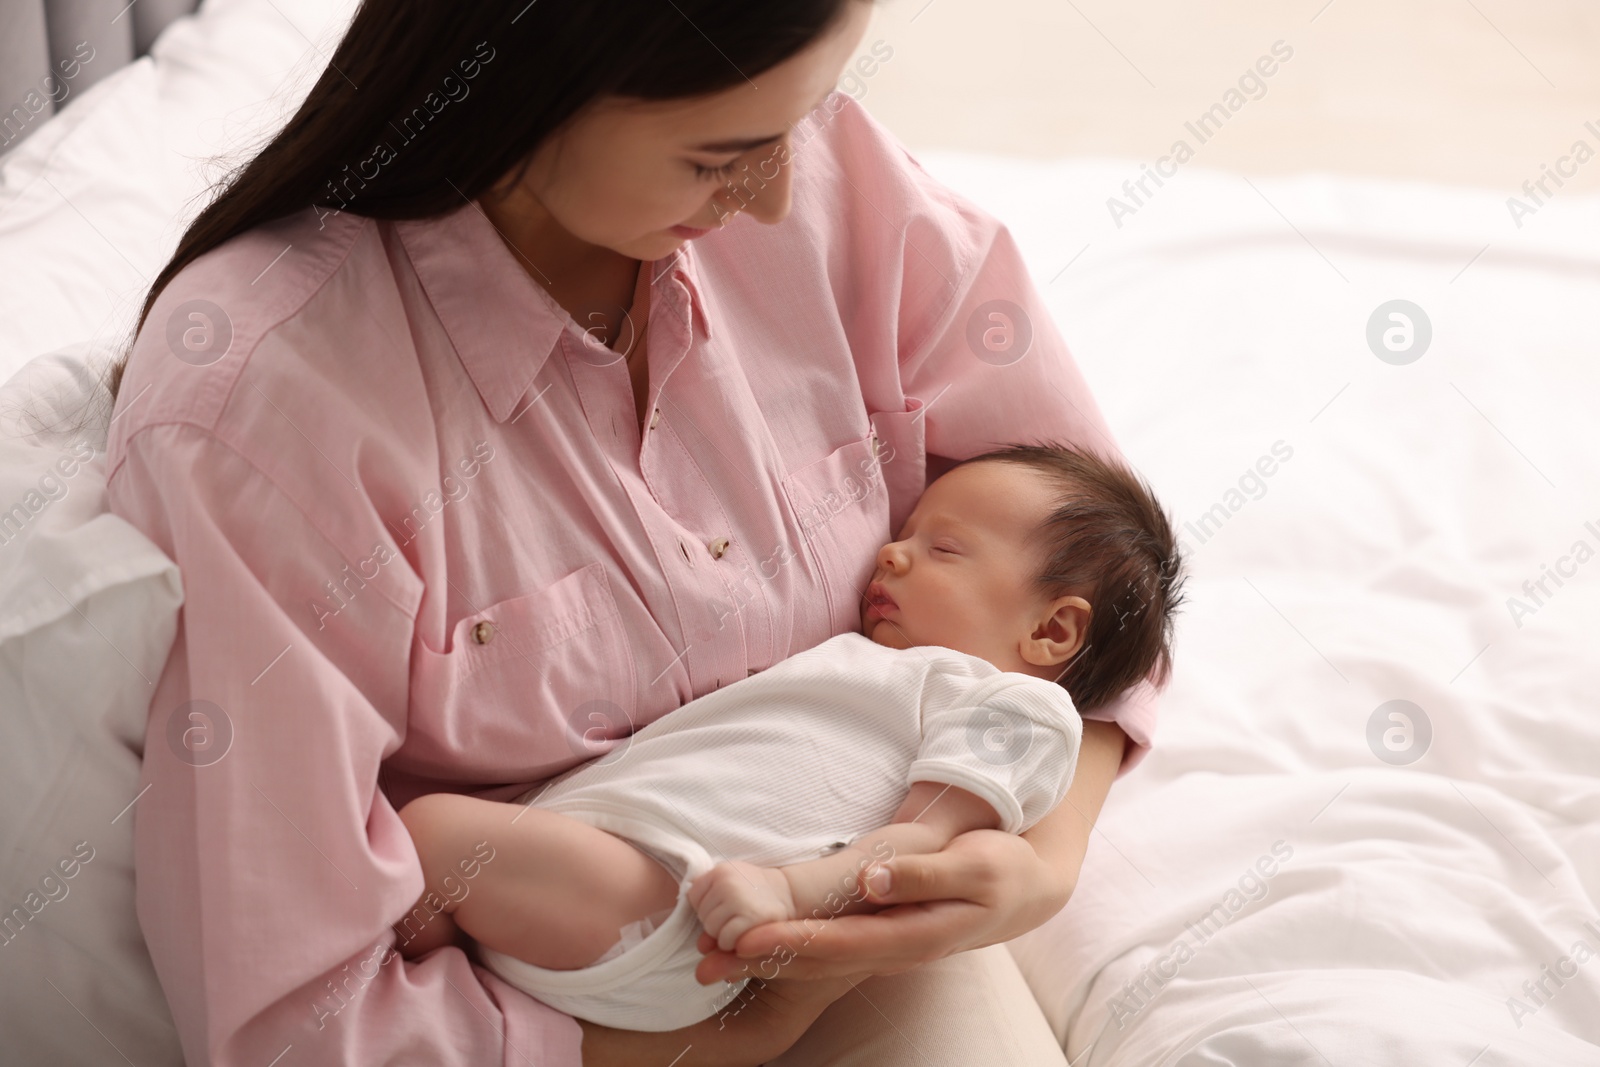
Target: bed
<point>1370,829</point>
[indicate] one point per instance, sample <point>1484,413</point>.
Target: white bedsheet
<point>1222,318</point>
<point>1376,565</point>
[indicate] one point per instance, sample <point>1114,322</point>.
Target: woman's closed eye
<point>725,170</point>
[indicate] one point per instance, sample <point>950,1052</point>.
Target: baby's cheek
<point>888,634</point>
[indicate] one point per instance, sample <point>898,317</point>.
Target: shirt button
<point>483,633</point>
<point>655,418</point>
<point>718,547</point>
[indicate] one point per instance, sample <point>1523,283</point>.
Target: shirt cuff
<point>1135,713</point>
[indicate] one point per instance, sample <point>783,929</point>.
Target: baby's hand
<point>732,897</point>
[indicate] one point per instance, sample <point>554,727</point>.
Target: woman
<point>484,429</point>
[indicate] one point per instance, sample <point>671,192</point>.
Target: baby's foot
<point>732,897</point>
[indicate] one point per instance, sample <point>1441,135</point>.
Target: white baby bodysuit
<point>785,766</point>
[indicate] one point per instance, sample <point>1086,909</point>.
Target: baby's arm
<point>531,883</point>
<point>736,896</point>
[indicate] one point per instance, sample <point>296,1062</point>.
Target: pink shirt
<point>425,546</point>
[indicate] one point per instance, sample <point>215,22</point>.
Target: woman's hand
<point>761,1024</point>
<point>986,886</point>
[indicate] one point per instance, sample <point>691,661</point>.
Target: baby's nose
<point>890,556</point>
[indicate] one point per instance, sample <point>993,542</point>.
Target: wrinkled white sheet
<point>1374,564</point>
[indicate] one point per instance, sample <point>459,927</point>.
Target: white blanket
<point>1377,563</point>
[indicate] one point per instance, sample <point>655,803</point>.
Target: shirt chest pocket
<point>527,687</point>
<point>842,506</point>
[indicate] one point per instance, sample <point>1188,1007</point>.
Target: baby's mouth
<point>879,602</point>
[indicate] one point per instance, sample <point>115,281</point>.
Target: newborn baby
<point>1029,584</point>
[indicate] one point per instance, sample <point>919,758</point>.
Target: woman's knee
<point>972,1007</point>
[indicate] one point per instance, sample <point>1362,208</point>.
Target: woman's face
<point>623,172</point>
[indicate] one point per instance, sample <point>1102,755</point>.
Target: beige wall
<point>1476,92</point>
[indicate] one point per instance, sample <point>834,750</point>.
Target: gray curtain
<point>52,50</point>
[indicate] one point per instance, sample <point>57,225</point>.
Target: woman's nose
<point>760,186</point>
<point>771,202</point>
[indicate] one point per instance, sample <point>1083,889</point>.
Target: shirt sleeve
<point>270,866</point>
<point>982,359</point>
<point>1009,739</point>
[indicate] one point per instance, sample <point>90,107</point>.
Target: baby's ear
<point>1061,634</point>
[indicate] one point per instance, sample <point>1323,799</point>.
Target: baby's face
<point>960,574</point>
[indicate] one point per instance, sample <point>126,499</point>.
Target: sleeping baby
<point>1028,585</point>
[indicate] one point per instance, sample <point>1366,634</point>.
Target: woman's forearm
<point>1061,838</point>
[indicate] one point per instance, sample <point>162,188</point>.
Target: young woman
<point>558,363</point>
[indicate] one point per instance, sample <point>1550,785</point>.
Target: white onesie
<point>788,765</point>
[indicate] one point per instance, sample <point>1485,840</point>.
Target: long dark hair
<point>511,73</point>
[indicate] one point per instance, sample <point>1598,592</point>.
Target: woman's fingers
<point>904,930</point>
<point>718,966</point>
<point>935,904</point>
<point>964,870</point>
<point>889,942</point>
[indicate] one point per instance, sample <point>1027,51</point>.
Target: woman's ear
<point>1060,635</point>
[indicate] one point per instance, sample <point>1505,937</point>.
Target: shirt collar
<point>684,264</point>
<point>502,323</point>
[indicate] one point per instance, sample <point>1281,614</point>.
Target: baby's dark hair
<point>1109,541</point>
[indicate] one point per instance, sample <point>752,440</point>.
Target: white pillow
<point>94,201</point>
<point>88,611</point>
<point>91,206</point>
